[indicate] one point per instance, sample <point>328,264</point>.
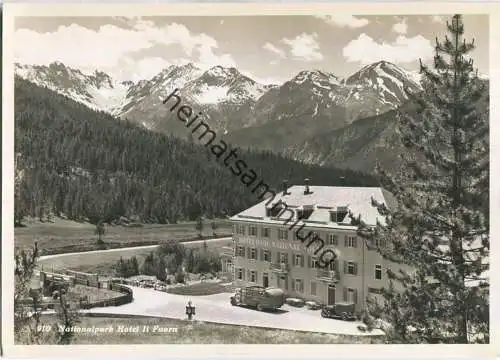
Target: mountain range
<point>314,117</point>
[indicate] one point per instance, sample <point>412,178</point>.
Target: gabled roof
<point>324,200</point>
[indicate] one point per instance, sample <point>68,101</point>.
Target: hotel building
<point>268,253</point>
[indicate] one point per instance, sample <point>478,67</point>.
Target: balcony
<point>280,268</point>
<point>326,275</point>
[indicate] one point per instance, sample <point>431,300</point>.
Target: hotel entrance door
<point>331,294</point>
<point>265,280</point>
<point>283,282</point>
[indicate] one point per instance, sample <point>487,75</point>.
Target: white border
<point>11,10</point>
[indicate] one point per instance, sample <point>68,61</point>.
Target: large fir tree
<point>438,228</point>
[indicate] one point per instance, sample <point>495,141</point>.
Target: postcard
<point>263,180</point>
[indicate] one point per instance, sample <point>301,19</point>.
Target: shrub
<point>179,277</point>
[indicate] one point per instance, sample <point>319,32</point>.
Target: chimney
<point>306,190</point>
<point>285,187</point>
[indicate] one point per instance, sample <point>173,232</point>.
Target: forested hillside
<point>87,165</point>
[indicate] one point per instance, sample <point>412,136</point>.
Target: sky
<point>269,49</point>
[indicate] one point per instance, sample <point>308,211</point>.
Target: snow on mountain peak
<point>317,77</point>
<point>96,90</point>
<point>224,85</point>
<point>386,81</point>
<point>222,90</point>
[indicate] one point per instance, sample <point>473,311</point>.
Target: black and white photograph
<point>261,178</point>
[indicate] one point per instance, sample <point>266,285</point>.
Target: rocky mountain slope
<point>231,101</point>
<point>315,102</point>
<point>224,95</point>
<point>363,143</point>
<point>314,117</point>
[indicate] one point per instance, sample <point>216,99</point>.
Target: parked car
<point>295,302</point>
<point>259,297</point>
<point>339,311</point>
<point>313,305</point>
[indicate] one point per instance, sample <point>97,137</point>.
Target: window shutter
<point>261,254</point>
<point>286,258</point>
<point>345,267</point>
<point>301,260</point>
<point>336,265</point>
<point>355,268</point>
<point>355,242</point>
<point>278,254</point>
<point>355,295</point>
<point>345,294</point>
<point>242,274</point>
<point>248,275</point>
<point>293,284</point>
<point>309,262</point>
<point>270,255</point>
<point>345,241</point>
<point>256,276</point>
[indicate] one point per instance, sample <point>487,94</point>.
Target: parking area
<point>216,308</point>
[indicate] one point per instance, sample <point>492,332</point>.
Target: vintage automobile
<point>259,297</point>
<point>339,311</point>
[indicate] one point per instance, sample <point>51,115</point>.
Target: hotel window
<point>350,295</point>
<point>350,268</point>
<point>374,290</point>
<point>240,229</point>
<point>350,241</point>
<point>332,239</point>
<point>253,276</point>
<point>266,255</point>
<point>282,234</point>
<point>275,210</point>
<point>339,215</point>
<point>239,273</point>
<point>313,288</point>
<point>240,251</point>
<point>252,230</point>
<point>332,265</point>
<point>283,258</point>
<point>299,285</point>
<point>253,253</point>
<point>265,232</point>
<point>378,272</point>
<point>314,263</point>
<point>298,260</point>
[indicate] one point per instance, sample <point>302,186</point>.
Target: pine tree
<point>135,266</point>
<point>99,231</point>
<point>214,227</point>
<point>438,230</point>
<point>19,210</point>
<point>199,227</point>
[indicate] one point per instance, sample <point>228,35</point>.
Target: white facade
<point>269,251</point>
